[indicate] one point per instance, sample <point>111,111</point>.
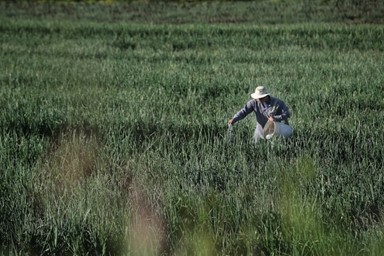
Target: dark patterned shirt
<point>263,110</point>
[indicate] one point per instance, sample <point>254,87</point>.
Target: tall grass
<point>114,139</point>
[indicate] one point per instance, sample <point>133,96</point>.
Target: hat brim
<point>258,96</point>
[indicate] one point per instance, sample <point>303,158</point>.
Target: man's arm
<point>248,108</point>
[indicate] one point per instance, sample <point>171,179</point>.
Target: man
<point>268,110</point>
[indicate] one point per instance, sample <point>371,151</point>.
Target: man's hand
<point>271,119</point>
<point>231,122</point>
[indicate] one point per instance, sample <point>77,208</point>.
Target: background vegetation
<point>181,11</point>
<point>114,139</point>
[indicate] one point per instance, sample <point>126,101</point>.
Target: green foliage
<point>197,11</point>
<point>114,139</point>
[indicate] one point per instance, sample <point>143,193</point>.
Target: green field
<point>114,131</point>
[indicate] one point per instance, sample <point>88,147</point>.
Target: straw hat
<point>260,92</point>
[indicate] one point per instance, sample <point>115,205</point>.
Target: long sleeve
<point>248,108</point>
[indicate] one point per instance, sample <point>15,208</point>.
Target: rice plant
<point>114,138</point>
